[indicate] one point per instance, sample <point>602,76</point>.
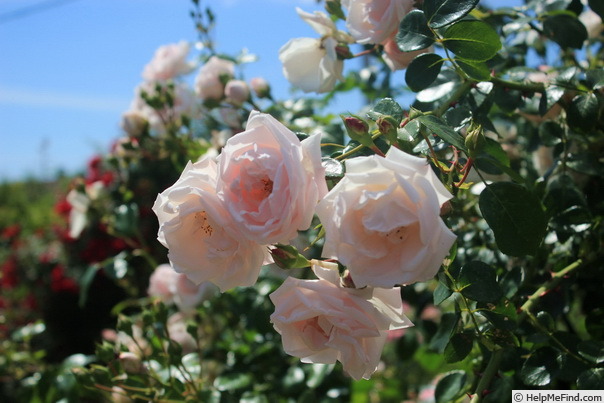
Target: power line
<point>33,9</point>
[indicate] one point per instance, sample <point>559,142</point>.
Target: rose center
<point>396,235</point>
<point>200,222</point>
<point>313,333</point>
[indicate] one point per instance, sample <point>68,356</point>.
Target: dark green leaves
<point>423,70</point>
<point>450,387</point>
<point>413,33</point>
<point>439,127</point>
<point>443,12</point>
<point>478,281</point>
<point>583,111</point>
<point>516,217</point>
<point>566,30</point>
<point>472,40</point>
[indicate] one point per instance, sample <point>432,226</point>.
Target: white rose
<point>202,239</point>
<point>382,220</point>
<point>321,321</point>
<point>269,181</point>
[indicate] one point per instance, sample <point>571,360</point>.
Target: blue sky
<point>67,73</point>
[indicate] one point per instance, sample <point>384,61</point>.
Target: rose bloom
<point>208,83</point>
<point>202,239</point>
<point>382,220</point>
<point>172,287</point>
<point>168,62</point>
<point>313,64</point>
<point>321,321</point>
<point>373,22</point>
<point>269,181</point>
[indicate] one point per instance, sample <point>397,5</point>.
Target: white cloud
<point>50,99</point>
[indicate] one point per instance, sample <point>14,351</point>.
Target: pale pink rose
<point>593,23</point>
<point>382,220</point>
<point>321,321</point>
<point>372,21</point>
<point>131,363</point>
<point>260,87</point>
<point>237,92</point>
<point>269,181</point>
<point>168,62</point>
<point>175,288</point>
<point>209,82</point>
<point>397,59</point>
<point>203,241</point>
<point>177,329</point>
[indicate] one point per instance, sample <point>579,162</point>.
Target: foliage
<point>514,133</point>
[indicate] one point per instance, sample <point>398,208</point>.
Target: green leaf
<point>233,381</point>
<point>583,111</point>
<point>423,70</point>
<point>550,133</point>
<point>459,347</point>
<point>444,12</point>
<point>503,315</point>
<point>597,6</point>
<point>561,194</point>
<point>450,387</point>
<point>472,40</point>
<point>478,281</point>
<point>387,107</point>
<point>413,32</point>
<point>566,30</point>
<point>595,78</point>
<point>592,379</point>
<point>441,293</point>
<point>516,217</point>
<point>448,323</point>
<point>540,368</point>
<point>476,70</point>
<point>492,157</point>
<point>439,127</point>
<point>125,219</point>
<point>594,323</point>
<point>593,350</point>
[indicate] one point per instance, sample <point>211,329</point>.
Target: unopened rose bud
<point>260,87</point>
<point>346,280</point>
<point>387,126</point>
<point>343,51</point>
<point>475,141</point>
<point>131,363</point>
<point>237,92</point>
<point>357,129</point>
<point>446,209</point>
<point>133,123</point>
<point>288,257</point>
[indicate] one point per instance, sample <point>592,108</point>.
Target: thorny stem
<point>487,376</point>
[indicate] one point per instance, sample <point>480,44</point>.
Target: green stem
<point>356,149</point>
<point>461,90</point>
<point>488,375</point>
<point>514,85</point>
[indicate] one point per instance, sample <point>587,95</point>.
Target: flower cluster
<point>315,65</point>
<point>382,221</point>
